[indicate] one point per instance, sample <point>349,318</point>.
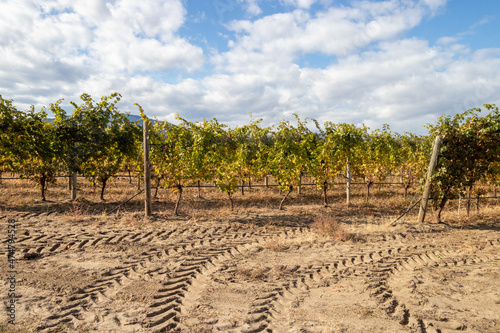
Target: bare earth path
<point>258,273</point>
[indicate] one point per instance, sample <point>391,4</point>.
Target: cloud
<point>305,4</point>
<point>63,43</point>
<point>405,83</point>
<point>337,31</point>
<point>141,36</point>
<point>376,75</point>
<point>252,7</point>
<point>447,40</point>
<point>434,5</point>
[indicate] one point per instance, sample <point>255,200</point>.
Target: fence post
<point>427,188</point>
<point>299,190</point>
<point>348,183</point>
<point>147,171</point>
<point>74,184</point>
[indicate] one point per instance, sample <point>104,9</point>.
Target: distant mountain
<point>134,118</point>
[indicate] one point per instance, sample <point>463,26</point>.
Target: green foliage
<point>249,148</point>
<point>228,160</point>
<point>204,160</point>
<point>171,152</point>
<point>346,142</point>
<point>261,141</point>
<point>291,153</point>
<point>380,155</point>
<point>413,158</point>
<point>120,138</point>
<point>469,151</point>
<point>98,140</point>
<point>29,144</point>
<point>11,126</point>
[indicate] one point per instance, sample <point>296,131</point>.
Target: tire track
<point>164,256</point>
<point>270,310</point>
<point>176,265</point>
<point>410,259</point>
<point>184,281</point>
<point>45,244</point>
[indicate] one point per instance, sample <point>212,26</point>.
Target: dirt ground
<point>262,271</point>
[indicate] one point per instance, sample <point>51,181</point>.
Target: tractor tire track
<point>270,310</point>
<point>176,277</point>
<point>168,257</point>
<point>185,280</point>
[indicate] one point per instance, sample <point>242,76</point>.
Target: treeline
<point>98,141</point>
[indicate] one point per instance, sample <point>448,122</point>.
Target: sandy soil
<point>262,272</point>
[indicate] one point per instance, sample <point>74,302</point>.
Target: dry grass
<point>385,205</point>
<point>255,273</point>
<point>136,220</point>
<point>363,311</point>
<point>77,212</point>
<point>277,244</point>
<point>9,328</point>
<point>488,213</point>
<point>283,244</point>
<point>327,225</point>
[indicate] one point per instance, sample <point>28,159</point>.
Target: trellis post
<point>147,170</point>
<point>427,188</point>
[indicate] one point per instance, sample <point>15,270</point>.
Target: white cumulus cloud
<point>371,71</point>
<point>50,44</point>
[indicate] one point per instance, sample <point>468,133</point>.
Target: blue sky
<point>474,23</point>
<point>400,62</point>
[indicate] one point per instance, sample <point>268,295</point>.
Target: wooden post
<point>427,188</point>
<point>459,201</point>
<point>299,190</point>
<point>73,186</point>
<point>348,184</point>
<point>469,191</point>
<point>74,179</point>
<point>147,171</point>
<point>69,170</point>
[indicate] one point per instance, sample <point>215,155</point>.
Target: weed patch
<point>326,225</point>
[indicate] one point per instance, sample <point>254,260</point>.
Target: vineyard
<point>287,228</point>
<point>99,142</point>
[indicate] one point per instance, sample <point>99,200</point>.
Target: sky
<point>397,62</point>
